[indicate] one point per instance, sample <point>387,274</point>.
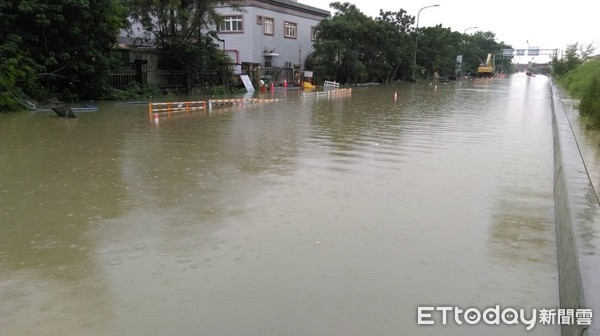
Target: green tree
<point>437,51</point>
<point>66,44</point>
<point>14,66</point>
<point>175,26</point>
<point>176,22</point>
<point>399,47</point>
<point>579,74</point>
<point>353,47</point>
<point>58,47</point>
<point>339,53</point>
<point>574,56</point>
<point>577,80</point>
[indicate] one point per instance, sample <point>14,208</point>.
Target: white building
<point>269,33</point>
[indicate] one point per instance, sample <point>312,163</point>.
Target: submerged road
<point>314,216</point>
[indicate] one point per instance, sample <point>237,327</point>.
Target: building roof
<point>292,4</point>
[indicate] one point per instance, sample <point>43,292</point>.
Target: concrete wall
<point>577,213</point>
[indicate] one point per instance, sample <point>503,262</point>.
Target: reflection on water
<point>306,216</point>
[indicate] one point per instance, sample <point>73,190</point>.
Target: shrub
<point>8,102</point>
<point>578,80</point>
<point>589,107</point>
<point>134,90</point>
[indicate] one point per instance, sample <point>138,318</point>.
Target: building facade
<point>269,33</point>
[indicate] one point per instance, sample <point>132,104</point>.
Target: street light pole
<point>464,32</point>
<point>417,38</point>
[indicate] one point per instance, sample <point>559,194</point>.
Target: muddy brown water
<point>305,216</point>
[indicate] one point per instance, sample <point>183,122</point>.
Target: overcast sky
<point>544,24</point>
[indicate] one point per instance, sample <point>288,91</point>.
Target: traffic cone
<point>285,83</point>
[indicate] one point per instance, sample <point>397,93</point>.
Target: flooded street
<point>305,216</point>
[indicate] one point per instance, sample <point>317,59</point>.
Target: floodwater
<point>305,216</point>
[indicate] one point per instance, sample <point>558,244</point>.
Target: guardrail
<point>169,107</point>
<point>330,93</point>
<point>329,84</point>
<point>187,106</point>
<point>217,102</point>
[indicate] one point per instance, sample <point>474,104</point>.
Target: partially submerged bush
<point>135,90</point>
<point>9,103</point>
<point>577,80</point>
<point>589,107</point>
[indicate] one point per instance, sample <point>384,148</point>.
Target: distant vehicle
<point>487,69</point>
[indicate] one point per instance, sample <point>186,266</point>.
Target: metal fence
<point>121,78</point>
<point>167,78</point>
<point>279,74</point>
<point>162,78</point>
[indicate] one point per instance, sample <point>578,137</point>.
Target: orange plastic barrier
<point>176,106</point>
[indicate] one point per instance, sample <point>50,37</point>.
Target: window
<point>268,24</point>
<point>313,33</point>
<point>289,29</point>
<point>231,24</point>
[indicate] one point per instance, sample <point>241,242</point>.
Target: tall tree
<point>169,22</point>
<point>353,47</point>
<point>398,43</point>
<point>340,50</point>
<point>15,66</point>
<point>63,45</point>
<point>176,25</point>
<point>574,56</point>
<point>437,51</point>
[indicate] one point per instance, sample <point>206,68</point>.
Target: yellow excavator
<point>487,69</point>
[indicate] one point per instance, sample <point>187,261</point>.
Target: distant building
<point>269,33</point>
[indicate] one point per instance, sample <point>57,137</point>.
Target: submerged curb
<point>577,214</point>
